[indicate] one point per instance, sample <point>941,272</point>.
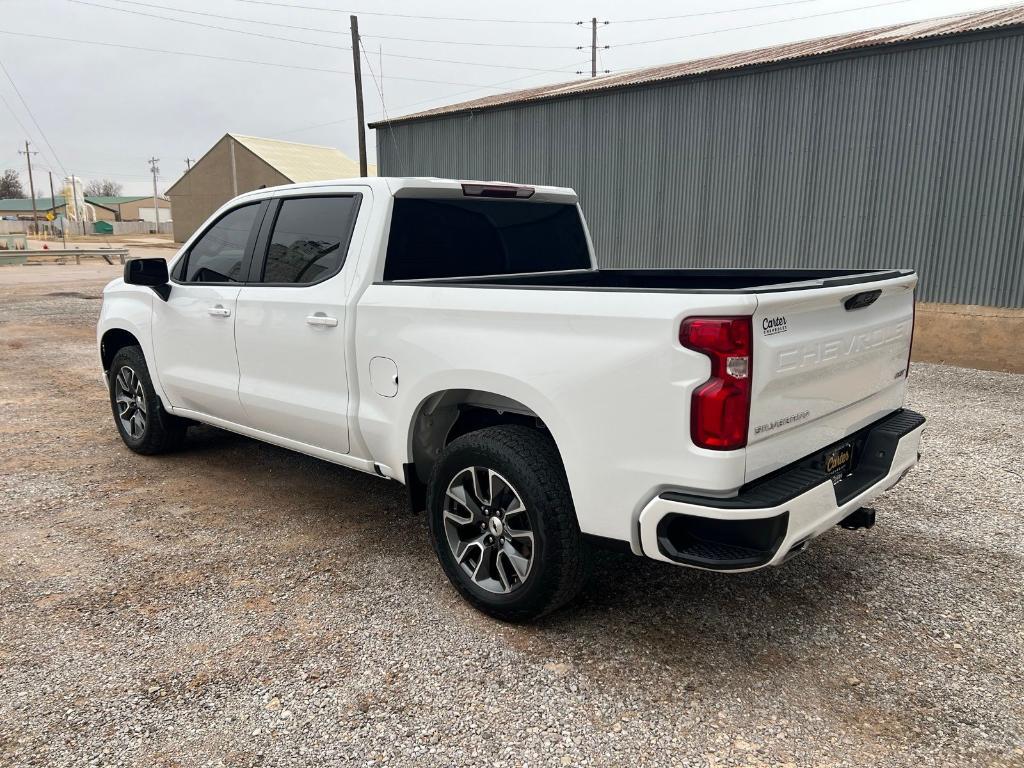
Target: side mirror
<point>149,272</point>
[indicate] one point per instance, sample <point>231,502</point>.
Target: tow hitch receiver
<point>861,518</point>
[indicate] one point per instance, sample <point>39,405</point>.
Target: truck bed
<point>830,348</point>
<point>676,280</point>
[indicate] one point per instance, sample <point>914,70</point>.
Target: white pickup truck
<point>459,338</point>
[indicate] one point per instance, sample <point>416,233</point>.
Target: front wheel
<point>503,524</point>
<point>139,416</point>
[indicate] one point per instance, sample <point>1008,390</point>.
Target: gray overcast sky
<point>106,109</point>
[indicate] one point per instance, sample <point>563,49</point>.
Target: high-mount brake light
<point>497,190</point>
<point>720,407</point>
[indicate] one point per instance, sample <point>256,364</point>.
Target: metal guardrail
<point>107,254</point>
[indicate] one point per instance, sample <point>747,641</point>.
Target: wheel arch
<point>447,414</point>
<point>114,340</point>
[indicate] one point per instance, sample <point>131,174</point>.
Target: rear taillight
<point>913,323</point>
<point>720,407</point>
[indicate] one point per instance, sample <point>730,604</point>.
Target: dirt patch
<point>75,295</point>
<point>239,604</point>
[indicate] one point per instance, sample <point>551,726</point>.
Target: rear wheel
<point>139,416</point>
<point>503,524</point>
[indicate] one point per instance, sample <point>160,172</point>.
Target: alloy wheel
<point>488,530</point>
<point>131,402</point>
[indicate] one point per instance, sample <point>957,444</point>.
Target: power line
<point>761,24</point>
<point>226,58</point>
<point>208,26</point>
<point>418,103</point>
<point>280,25</point>
<point>105,174</point>
<point>497,85</point>
<point>380,93</point>
<point>276,24</point>
<point>399,15</point>
<point>175,53</point>
<point>301,42</point>
<point>14,114</point>
<point>32,116</point>
<point>715,13</point>
<point>464,42</point>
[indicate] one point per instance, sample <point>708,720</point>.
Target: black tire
<point>529,460</point>
<point>158,431</point>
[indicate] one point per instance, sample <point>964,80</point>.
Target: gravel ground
<point>237,604</point>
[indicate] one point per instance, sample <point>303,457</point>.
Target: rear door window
<point>435,238</point>
<point>310,239</point>
<point>217,256</point>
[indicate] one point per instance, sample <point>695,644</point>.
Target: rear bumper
<point>773,518</point>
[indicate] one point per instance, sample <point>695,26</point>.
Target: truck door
<point>290,330</point>
<point>193,331</point>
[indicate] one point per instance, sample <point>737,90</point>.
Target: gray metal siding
<point>907,157</point>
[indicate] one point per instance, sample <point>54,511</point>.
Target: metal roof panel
<point>302,162</point>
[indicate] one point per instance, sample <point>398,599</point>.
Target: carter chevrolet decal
<point>837,460</point>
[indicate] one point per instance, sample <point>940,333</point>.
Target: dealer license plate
<point>839,461</point>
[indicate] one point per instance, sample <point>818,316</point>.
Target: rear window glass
<point>462,238</point>
<point>310,239</point>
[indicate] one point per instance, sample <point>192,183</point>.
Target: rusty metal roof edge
<point>916,31</point>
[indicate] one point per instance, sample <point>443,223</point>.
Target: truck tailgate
<point>826,362</point>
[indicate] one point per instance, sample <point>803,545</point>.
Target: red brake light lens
<point>720,407</point>
<point>913,324</point>
<point>497,190</point>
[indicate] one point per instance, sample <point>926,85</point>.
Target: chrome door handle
<point>219,311</point>
<point>323,320</point>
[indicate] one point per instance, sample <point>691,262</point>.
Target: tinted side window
<point>310,239</point>
<point>456,238</point>
<point>217,255</point>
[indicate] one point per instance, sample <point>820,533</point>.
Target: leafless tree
<point>102,188</point>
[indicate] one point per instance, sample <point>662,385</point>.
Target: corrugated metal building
<point>901,146</point>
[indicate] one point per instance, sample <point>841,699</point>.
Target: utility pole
<point>156,205</point>
<point>593,46</point>
<point>358,72</point>
<point>74,203</point>
<point>53,208</point>
<point>31,187</point>
<point>234,167</point>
